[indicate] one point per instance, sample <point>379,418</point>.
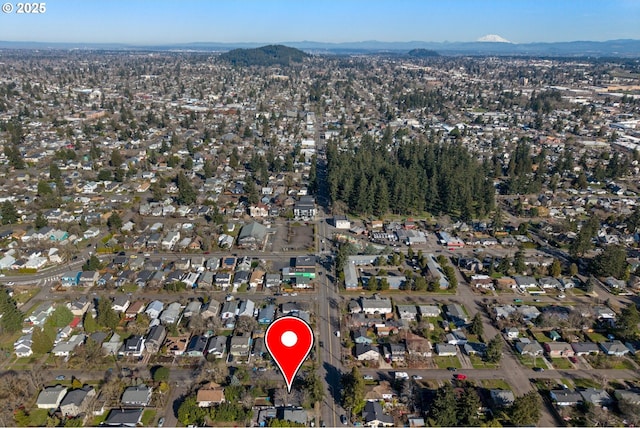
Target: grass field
<point>479,364</point>
<point>148,416</point>
<point>596,337</point>
<point>444,362</point>
<point>561,363</point>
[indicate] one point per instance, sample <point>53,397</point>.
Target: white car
<point>562,296</point>
<point>416,377</point>
<point>401,375</point>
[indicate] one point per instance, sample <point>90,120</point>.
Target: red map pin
<point>289,340</point>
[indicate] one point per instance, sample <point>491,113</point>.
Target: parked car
<point>416,377</point>
<point>367,377</point>
<point>61,377</point>
<point>161,422</point>
<point>452,369</point>
<point>573,360</point>
<point>538,369</point>
<point>343,419</point>
<point>460,376</point>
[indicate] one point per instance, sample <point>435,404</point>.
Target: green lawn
<point>25,296</point>
<point>541,337</point>
<point>561,363</point>
<point>586,383</point>
<point>148,416</point>
<point>38,417</point>
<point>130,288</point>
<point>495,384</point>
<point>530,362</point>
<point>479,364</point>
<point>99,419</point>
<point>596,337</point>
<point>444,362</point>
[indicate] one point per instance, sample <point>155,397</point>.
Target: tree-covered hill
<point>264,56</point>
<point>422,53</point>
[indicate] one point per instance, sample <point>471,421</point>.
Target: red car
<point>460,376</point>
<point>573,359</point>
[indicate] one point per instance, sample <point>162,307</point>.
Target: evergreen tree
<point>476,326</point>
<point>526,410</point>
<point>611,262</point>
<point>114,222</point>
<point>89,323</point>
<point>9,213</point>
<point>556,268</point>
<point>353,390</point>
<point>443,409</point>
<point>42,343</point>
<point>186,193</point>
<point>627,322</point>
<point>107,316</point>
<point>467,406</point>
<point>54,171</point>
<point>11,319</point>
<point>494,349</point>
<point>40,221</point>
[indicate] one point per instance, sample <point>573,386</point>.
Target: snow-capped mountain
<point>494,38</point>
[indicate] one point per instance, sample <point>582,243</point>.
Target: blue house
<point>70,278</point>
<point>266,314</point>
<point>361,337</point>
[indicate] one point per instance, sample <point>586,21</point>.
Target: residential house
<point>475,348</point>
<point>407,312</point>
<point>272,280</point>
<point>65,349</point>
<point>229,310</point>
<point>197,346</point>
<point>502,398</point>
<point>252,236</point>
<point>209,395</point>
<point>170,240</point>
<point>525,346</point>
<point>597,397</point>
<point>292,414</point>
<point>193,308</point>
<point>132,346</point>
<point>360,337</point>
<point>171,314</point>
<point>565,397</point>
<point>134,309</point>
<point>374,416</point>
<point>585,348</point>
<point>124,418</point>
<point>559,349</point>
<point>456,314</point>
<point>79,306</point>
<point>22,346</point>
<point>456,337</point>
<point>267,314</point>
<point>376,305</point>
<point>51,397</point>
<point>77,401</point>
<point>120,303</point>
<point>154,339</point>
<point>223,279</point>
<point>113,345</point>
<point>210,309</point>
<point>366,352</point>
<point>154,309</point>
<point>217,346</point>
<point>429,311</point>
<point>446,350</point>
<point>89,278</point>
<point>240,346</point>
<point>70,278</point>
<point>614,348</point>
<point>246,308</point>
<point>418,345</point>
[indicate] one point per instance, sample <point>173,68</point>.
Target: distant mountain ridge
<point>613,48</point>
